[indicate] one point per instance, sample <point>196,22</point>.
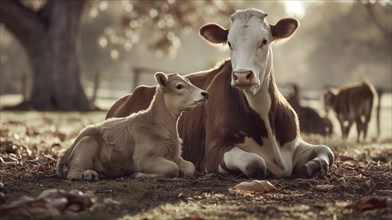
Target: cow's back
<point>140,99</point>
<point>352,98</point>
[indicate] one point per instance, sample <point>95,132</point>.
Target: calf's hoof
<point>188,169</point>
<point>90,175</point>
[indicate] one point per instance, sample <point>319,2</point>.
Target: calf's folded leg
<point>157,167</point>
<point>81,165</point>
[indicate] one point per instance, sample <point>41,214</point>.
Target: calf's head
<point>179,93</point>
<point>249,38</point>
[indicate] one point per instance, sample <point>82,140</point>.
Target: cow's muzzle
<point>243,77</point>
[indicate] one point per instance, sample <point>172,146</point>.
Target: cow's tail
<point>379,93</point>
<point>66,157</point>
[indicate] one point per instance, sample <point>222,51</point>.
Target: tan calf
<point>145,143</point>
<point>352,104</point>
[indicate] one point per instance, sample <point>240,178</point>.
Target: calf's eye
<point>179,86</point>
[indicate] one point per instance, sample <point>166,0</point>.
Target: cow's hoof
<point>256,169</point>
<point>315,168</point>
<point>90,175</point>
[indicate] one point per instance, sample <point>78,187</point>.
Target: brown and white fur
<point>246,126</point>
<point>352,103</point>
<point>146,143</point>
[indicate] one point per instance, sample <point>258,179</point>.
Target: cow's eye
<point>179,86</point>
<point>228,43</point>
<point>263,42</point>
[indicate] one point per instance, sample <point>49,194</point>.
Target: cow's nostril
<point>242,75</point>
<point>249,75</point>
<point>204,94</point>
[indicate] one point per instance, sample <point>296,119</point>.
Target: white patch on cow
<point>363,119</point>
<point>221,170</point>
<point>237,159</point>
<point>260,102</point>
<point>278,159</point>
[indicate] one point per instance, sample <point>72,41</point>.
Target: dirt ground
<point>358,186</point>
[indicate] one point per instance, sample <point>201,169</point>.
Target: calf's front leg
<point>186,167</point>
<point>157,167</point>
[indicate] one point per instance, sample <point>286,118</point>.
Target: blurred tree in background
<point>353,46</point>
<point>49,33</point>
<point>338,42</point>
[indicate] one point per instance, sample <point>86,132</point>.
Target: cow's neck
<point>261,101</point>
<point>160,115</point>
<point>264,102</point>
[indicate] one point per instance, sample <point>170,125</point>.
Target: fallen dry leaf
<point>257,186</point>
<point>49,203</point>
<point>324,187</point>
<point>370,203</point>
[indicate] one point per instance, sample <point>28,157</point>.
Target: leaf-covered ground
<point>359,185</point>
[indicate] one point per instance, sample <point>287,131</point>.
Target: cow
<point>145,144</point>
<point>246,126</point>
<point>310,121</point>
<point>352,103</point>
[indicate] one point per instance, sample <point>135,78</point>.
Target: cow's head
<point>249,38</point>
<point>328,97</point>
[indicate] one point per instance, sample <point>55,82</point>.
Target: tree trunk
<point>51,44</point>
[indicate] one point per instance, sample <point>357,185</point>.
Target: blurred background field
<point>385,116</point>
<point>122,43</point>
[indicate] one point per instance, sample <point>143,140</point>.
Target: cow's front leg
<point>250,164</point>
<point>312,160</point>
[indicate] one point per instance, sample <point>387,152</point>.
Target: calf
<point>146,143</point>
<point>352,104</point>
<point>246,126</point>
<point>310,121</point>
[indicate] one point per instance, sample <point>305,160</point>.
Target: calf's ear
<point>161,78</point>
<point>284,28</point>
<point>214,33</point>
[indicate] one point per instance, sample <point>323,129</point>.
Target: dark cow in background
<point>310,121</point>
<point>246,126</point>
<point>353,103</point>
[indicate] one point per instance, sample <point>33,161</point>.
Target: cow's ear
<point>284,28</point>
<point>214,33</point>
<point>161,78</point>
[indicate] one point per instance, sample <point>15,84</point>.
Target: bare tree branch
<point>384,30</point>
<point>19,19</point>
